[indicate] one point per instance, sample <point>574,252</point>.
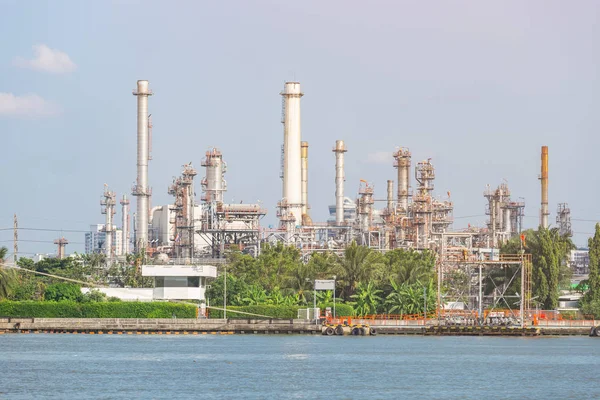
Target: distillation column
<point>141,189</point>
<point>108,207</point>
<point>339,150</point>
<point>544,179</point>
<point>214,184</point>
<point>402,162</point>
<point>292,175</point>
<point>304,178</point>
<point>125,224</point>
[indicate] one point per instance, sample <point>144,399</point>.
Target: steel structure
<point>183,191</point>
<point>506,216</point>
<point>232,225</point>
<point>563,220</point>
<point>480,287</point>
<point>141,188</point>
<point>108,204</point>
<point>61,243</point>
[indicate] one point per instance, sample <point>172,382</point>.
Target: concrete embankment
<point>105,325</point>
<point>258,326</point>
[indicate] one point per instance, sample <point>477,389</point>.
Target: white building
<point>179,282</point>
<point>95,240</point>
<point>580,261</point>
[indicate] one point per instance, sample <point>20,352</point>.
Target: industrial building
<point>413,215</point>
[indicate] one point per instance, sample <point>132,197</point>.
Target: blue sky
<point>476,86</point>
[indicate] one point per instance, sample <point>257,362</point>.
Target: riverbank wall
<point>258,326</point>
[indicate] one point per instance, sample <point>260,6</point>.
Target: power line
<point>38,241</point>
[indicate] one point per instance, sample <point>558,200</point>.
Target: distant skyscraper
<point>95,240</point>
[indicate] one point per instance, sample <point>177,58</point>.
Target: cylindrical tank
<point>304,158</point>
<point>339,150</point>
<point>292,179</point>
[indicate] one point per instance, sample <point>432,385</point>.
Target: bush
<point>341,309</point>
<point>268,311</point>
<point>63,291</point>
<point>71,309</point>
<point>271,311</point>
<point>94,295</point>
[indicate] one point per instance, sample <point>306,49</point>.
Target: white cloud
<point>29,105</point>
<point>47,60</point>
<point>380,157</point>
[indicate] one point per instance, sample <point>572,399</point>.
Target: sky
<point>478,87</point>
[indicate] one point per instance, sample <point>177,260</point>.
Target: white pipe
<point>141,190</point>
<point>339,151</point>
<point>403,157</point>
<point>292,175</point>
<point>125,224</point>
<point>304,169</point>
<point>507,226</point>
<point>390,195</point>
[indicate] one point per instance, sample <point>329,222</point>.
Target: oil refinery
<point>413,216</point>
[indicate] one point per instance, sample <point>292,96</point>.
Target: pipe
<point>125,224</point>
<point>544,178</point>
<point>141,189</point>
<point>390,196</point>
<point>507,224</point>
<point>339,150</point>
<point>304,168</point>
<point>292,175</point>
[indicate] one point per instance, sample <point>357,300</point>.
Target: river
<point>62,366</point>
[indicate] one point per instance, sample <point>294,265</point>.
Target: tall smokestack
<point>304,168</point>
<point>339,150</point>
<point>125,224</point>
<point>402,162</point>
<point>141,189</point>
<point>544,178</point>
<point>292,175</point>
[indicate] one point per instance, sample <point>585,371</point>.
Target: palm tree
<point>8,278</point>
<point>357,265</point>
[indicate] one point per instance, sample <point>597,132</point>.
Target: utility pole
<point>15,239</point>
<point>225,294</point>
<point>425,305</point>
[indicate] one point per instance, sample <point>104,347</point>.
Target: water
<point>289,366</point>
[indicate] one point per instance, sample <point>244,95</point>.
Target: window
<point>193,281</point>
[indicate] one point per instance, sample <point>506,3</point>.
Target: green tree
<point>236,289</point>
<point>8,277</point>
<point>367,299</point>
<point>409,266</point>
<point>358,264</point>
<point>63,291</point>
<point>549,251</point>
<point>594,276</point>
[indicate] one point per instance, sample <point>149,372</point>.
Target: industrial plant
<point>192,229</point>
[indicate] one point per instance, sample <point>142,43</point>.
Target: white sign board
<point>325,284</point>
